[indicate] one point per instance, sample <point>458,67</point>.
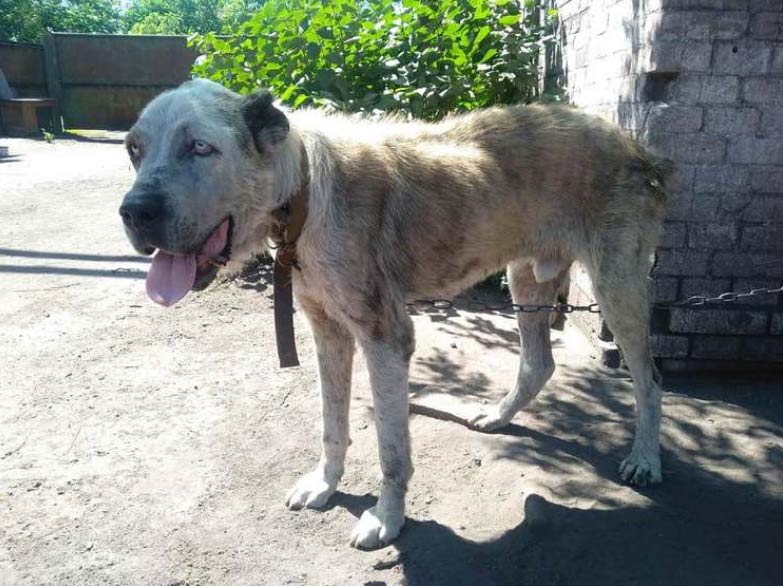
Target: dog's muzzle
<point>144,216</point>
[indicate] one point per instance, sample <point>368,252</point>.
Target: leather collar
<point>289,220</point>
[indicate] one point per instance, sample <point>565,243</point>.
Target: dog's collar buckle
<point>286,255</point>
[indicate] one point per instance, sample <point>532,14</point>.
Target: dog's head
<point>211,167</point>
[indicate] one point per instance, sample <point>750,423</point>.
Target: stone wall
<point>702,82</point>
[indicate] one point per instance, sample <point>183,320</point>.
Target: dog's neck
<point>290,169</point>
<point>287,225</point>
<point>289,219</point>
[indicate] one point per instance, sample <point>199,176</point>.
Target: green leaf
<point>313,50</point>
<point>488,55</point>
<point>425,57</point>
<point>481,35</point>
<point>335,59</point>
<point>289,91</point>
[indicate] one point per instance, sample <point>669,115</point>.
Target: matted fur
<point>400,210</point>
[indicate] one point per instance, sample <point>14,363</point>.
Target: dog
<point>399,210</point>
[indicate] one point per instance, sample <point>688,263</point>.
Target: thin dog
<point>398,210</point>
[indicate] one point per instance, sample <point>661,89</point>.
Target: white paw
<point>376,528</point>
<point>311,491</point>
<point>641,469</point>
<point>489,420</point>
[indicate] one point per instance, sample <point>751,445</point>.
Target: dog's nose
<point>141,211</point>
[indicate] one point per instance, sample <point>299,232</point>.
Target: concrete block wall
<point>702,82</point>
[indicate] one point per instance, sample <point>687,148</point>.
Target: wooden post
<point>53,81</point>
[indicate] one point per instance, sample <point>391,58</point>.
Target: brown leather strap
<point>284,316</point>
<point>289,221</point>
<point>298,210</point>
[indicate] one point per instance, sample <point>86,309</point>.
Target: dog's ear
<point>268,126</point>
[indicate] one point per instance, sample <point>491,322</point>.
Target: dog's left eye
<point>202,148</point>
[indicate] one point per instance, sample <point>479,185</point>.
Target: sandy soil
<point>143,446</point>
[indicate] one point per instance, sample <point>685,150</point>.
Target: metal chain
<point>698,300</point>
<point>721,299</point>
<point>446,304</point>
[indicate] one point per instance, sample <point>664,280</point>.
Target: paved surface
<point>142,446</point>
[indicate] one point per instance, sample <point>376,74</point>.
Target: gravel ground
<point>144,446</point>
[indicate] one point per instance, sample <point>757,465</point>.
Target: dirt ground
<point>144,446</point>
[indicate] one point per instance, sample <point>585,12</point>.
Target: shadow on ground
<point>116,272</point>
<point>716,520</point>
<point>119,273</point>
<point>100,137</point>
<point>726,538</point>
<point>48,254</point>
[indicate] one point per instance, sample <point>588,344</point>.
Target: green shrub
<point>423,57</point>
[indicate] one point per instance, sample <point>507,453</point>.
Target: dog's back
<point>454,201</point>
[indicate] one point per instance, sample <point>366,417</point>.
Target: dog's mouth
<point>173,275</point>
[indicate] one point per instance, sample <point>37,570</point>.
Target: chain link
<point>446,304</point>
<point>695,301</point>
<point>721,299</point>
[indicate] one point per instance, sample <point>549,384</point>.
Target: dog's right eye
<point>202,148</point>
<point>134,150</point>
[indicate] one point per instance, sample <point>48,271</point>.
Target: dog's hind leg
<point>388,350</point>
<point>621,288</point>
<point>335,349</point>
<point>536,364</point>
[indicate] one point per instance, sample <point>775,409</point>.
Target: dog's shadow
<point>698,530</point>
<point>716,520</point>
<point>730,543</point>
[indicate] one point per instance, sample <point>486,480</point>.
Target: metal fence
<point>97,81</point>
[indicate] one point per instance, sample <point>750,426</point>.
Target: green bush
<point>423,57</point>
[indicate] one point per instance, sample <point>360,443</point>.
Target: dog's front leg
<point>335,349</point>
<point>388,358</point>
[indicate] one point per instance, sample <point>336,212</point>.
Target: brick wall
<point>702,82</point>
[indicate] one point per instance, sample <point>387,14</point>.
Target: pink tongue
<point>170,277</point>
